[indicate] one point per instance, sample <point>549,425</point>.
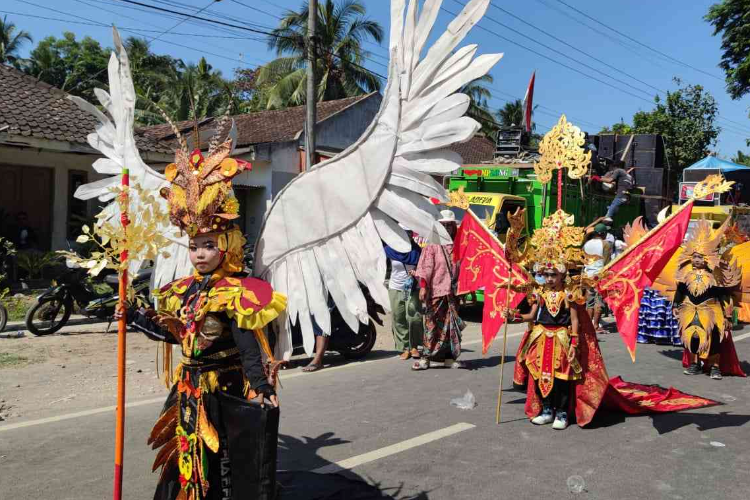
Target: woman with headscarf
<point>438,276</point>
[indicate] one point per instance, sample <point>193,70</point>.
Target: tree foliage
<point>511,114</point>
<point>342,28</point>
<point>77,67</point>
<point>479,107</point>
<point>686,119</point>
<point>620,128</point>
<point>731,18</point>
<point>11,40</point>
<point>742,158</point>
<point>185,91</point>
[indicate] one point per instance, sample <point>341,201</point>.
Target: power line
<point>563,54</point>
<point>545,32</point>
<point>181,22</point>
<point>549,59</point>
<point>640,43</point>
<point>727,128</point>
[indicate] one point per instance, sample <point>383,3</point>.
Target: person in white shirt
<point>597,252</point>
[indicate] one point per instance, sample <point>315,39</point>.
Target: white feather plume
<point>115,139</point>
<point>323,234</point>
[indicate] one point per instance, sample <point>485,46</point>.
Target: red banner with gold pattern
<point>482,264</point>
<point>624,279</point>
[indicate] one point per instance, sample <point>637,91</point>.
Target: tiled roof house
<point>44,156</point>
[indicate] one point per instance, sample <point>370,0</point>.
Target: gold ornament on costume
<point>200,197</point>
<point>562,147</point>
<point>556,244</point>
<point>703,240</point>
<point>458,199</point>
<point>713,184</point>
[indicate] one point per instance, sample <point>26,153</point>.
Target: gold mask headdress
<point>557,243</point>
<point>200,197</point>
<point>705,241</point>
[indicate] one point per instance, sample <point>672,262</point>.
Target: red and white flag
<point>528,104</point>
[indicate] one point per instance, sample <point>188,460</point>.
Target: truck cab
<point>493,210</point>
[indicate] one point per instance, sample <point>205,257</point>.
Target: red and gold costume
<point>580,387</point>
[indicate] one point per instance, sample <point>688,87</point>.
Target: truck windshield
<point>481,211</point>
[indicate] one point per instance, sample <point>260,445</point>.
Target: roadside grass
<point>9,360</point>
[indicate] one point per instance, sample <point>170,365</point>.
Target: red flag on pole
<point>482,264</point>
<point>528,104</point>
<point>624,279</point>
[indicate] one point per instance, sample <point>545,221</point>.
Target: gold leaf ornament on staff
<point>562,147</point>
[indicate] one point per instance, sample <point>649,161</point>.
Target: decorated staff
<point>562,147</point>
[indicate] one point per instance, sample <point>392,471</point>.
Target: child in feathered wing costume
<point>703,302</point>
<point>208,427</point>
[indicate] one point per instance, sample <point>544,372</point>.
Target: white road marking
<point>741,337</point>
<point>85,413</point>
<point>145,402</point>
<point>393,449</point>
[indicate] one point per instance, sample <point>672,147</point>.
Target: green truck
<point>495,189</point>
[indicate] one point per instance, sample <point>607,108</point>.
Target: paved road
<point>396,429</point>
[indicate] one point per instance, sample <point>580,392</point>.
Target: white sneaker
<point>561,421</point>
<point>544,418</point>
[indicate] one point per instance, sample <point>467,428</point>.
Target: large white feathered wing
<point>322,235</point>
<point>115,139</point>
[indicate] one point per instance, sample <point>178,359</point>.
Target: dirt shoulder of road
<point>75,369</point>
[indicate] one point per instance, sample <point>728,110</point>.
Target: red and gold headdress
<point>556,245</point>
<point>200,197</point>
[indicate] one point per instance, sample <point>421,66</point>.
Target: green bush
<point>34,263</point>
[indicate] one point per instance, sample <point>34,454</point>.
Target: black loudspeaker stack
<point>645,151</point>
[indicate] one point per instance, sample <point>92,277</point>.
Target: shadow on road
<point>675,354</point>
<point>479,363</point>
<point>668,422</point>
<point>298,456</point>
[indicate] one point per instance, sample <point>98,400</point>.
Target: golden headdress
<point>200,197</point>
<point>556,245</point>
<point>705,241</point>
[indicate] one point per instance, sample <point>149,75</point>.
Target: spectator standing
<point>407,321</point>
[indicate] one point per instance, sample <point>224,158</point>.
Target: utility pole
<point>312,20</point>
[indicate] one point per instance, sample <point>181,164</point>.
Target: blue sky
<point>674,28</point>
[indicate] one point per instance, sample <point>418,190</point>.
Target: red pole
<point>121,329</point>
<point>559,188</point>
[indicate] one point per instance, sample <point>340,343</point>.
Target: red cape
<point>596,391</point>
<point>729,363</point>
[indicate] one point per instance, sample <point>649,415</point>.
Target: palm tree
<point>195,92</point>
<point>342,29</point>
<point>10,43</point>
<point>512,114</point>
<point>479,108</point>
<point>152,78</point>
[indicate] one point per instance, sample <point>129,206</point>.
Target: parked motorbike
<point>348,343</point>
<point>54,307</point>
<point>3,317</point>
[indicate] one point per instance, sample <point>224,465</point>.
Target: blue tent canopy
<point>714,163</point>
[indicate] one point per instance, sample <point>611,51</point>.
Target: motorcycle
<point>54,307</point>
<point>350,344</point>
